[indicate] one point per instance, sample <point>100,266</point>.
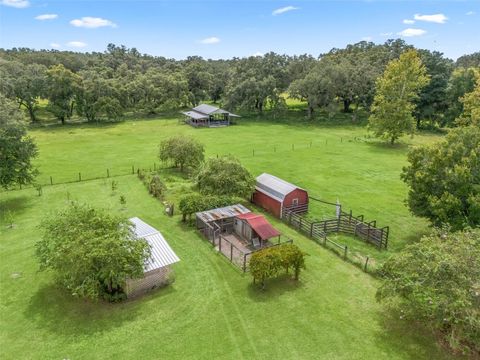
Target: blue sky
<point>224,29</point>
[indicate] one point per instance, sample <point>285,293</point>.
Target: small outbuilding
<point>208,116</point>
<point>157,271</point>
<point>275,195</point>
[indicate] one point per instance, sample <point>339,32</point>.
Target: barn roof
<point>209,109</point>
<point>222,213</point>
<point>261,226</point>
<point>195,115</point>
<point>203,111</point>
<point>274,186</point>
<point>161,253</point>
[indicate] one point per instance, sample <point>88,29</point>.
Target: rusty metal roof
<point>222,213</point>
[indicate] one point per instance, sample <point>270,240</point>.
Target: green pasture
<point>212,310</point>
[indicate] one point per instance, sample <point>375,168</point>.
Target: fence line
<point>345,223</point>
<point>81,178</point>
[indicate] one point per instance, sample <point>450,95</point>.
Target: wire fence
<point>122,170</point>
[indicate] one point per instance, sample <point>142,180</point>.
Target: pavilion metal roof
<point>195,115</point>
<point>203,111</point>
<point>274,186</point>
<point>161,253</point>
<point>222,213</point>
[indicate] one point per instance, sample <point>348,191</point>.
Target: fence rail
<point>345,223</point>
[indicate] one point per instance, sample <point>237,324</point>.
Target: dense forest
<point>105,86</point>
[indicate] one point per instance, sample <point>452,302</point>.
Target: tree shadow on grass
<point>382,146</point>
<point>16,205</point>
<point>54,308</point>
<point>414,340</point>
<point>274,288</point>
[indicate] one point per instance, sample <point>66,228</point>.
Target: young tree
<point>183,151</point>
<point>16,148</point>
<point>471,105</point>
<point>396,92</point>
<point>436,282</point>
<point>264,264</point>
<point>225,176</point>
<point>292,257</point>
<point>91,251</point>
<point>63,86</point>
<point>444,177</point>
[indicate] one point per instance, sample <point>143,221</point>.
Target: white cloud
<point>46,17</point>
<point>470,13</point>
<point>77,44</point>
<point>386,34</point>
<point>411,32</point>
<point>55,45</point>
<point>408,21</point>
<point>367,38</point>
<point>258,53</point>
<point>435,18</point>
<point>284,10</point>
<point>19,4</point>
<point>92,22</point>
<point>210,40</point>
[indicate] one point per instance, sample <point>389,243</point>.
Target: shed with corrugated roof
<point>157,269</point>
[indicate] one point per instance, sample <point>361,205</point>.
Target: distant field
<point>212,310</point>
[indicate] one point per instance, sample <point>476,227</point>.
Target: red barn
<point>274,195</point>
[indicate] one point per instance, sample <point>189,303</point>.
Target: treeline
<point>103,86</point>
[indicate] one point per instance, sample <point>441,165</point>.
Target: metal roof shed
<point>274,194</point>
<point>157,271</point>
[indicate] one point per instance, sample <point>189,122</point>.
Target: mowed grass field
<point>212,310</point>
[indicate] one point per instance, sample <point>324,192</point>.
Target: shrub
<point>194,202</point>
<point>156,187</point>
<point>437,282</point>
<point>225,176</point>
<point>267,263</point>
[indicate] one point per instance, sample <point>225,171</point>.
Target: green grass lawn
<point>212,310</point>
<point>329,161</point>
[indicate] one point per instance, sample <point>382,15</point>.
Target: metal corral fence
<point>345,223</point>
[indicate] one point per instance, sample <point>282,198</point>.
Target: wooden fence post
<point>133,169</point>
<point>79,177</point>
<point>231,252</point>
<point>300,225</point>
<point>108,173</point>
<point>244,262</point>
<point>311,229</point>
<point>345,253</point>
<point>51,180</point>
<point>366,263</point>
